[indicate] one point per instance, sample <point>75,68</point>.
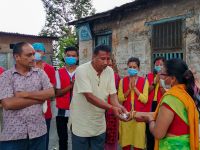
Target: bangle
<point>133,113</point>
<point>151,121</point>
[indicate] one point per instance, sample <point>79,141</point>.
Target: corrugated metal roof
<point>26,35</point>
<point>135,5</point>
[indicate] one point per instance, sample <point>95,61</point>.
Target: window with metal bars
<point>167,36</point>
<point>104,38</point>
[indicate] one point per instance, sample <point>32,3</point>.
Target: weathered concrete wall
<point>6,40</point>
<point>85,51</point>
<point>192,33</point>
<point>130,36</point>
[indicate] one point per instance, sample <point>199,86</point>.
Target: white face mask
<point>165,86</point>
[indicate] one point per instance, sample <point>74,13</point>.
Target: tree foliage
<point>63,43</point>
<point>60,12</point>
<point>81,8</point>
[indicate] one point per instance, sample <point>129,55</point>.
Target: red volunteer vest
<point>64,101</point>
<point>138,106</point>
<point>50,71</point>
<point>150,78</point>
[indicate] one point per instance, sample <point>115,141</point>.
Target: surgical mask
<point>165,86</point>
<point>38,56</point>
<point>132,72</point>
<point>70,60</point>
<point>158,68</point>
<point>44,58</point>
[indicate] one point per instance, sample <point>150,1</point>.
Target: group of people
<point>100,108</point>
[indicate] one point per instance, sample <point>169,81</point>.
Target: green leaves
<point>58,14</point>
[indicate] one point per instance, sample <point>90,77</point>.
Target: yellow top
<point>156,90</point>
<point>132,132</point>
<point>143,97</point>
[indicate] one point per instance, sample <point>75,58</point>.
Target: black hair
<point>71,48</point>
<point>159,58</point>
<point>179,69</point>
<point>101,47</point>
<point>17,49</point>
<point>134,59</point>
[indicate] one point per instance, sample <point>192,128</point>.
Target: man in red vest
<point>49,70</point>
<point>64,85</point>
<point>156,91</point>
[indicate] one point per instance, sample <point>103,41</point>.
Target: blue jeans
<point>88,143</point>
<point>25,144</point>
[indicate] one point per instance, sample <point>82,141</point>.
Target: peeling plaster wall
<point>130,36</point>
<point>192,34</point>
<point>85,51</point>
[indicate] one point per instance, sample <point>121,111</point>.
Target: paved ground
<point>53,138</point>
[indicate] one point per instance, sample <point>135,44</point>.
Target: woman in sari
<point>175,122</point>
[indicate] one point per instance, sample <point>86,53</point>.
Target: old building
<point>7,40</point>
<point>144,29</point>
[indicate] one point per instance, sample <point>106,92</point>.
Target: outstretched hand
<point>141,116</point>
<point>121,113</point>
<point>144,116</point>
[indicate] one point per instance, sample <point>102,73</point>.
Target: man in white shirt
<point>94,82</point>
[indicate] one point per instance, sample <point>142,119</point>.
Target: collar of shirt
<point>13,70</point>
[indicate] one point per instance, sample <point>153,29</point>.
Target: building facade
<point>144,29</point>
<point>7,41</point>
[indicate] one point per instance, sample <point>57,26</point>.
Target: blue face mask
<point>70,60</point>
<point>38,56</point>
<point>157,68</point>
<point>44,58</point>
<point>132,72</point>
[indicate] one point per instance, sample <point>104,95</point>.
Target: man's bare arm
<point>96,101</point>
<point>61,92</point>
<point>37,95</point>
<point>16,103</point>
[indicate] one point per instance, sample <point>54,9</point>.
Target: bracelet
<point>151,121</point>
